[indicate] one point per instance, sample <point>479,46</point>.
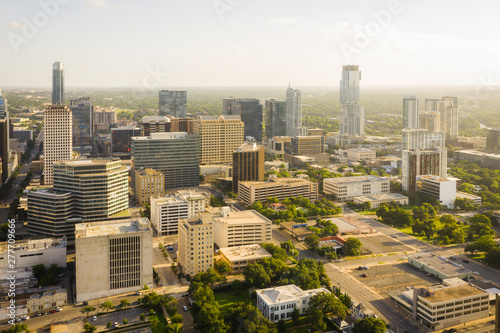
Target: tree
<point>107,305</point>
<point>312,241</point>
<point>208,319</point>
<point>256,276</point>
<point>369,325</point>
<point>247,318</point>
<point>17,328</point>
<point>275,251</point>
<point>222,267</point>
<point>125,321</point>
<point>324,304</point>
<point>482,244</point>
<point>176,318</point>
<point>281,326</point>
<point>142,317</point>
<point>124,303</point>
<point>174,328</point>
<point>492,257</point>
<point>89,328</point>
<point>366,205</point>
<point>203,294</point>
<point>296,317</point>
<point>480,225</point>
<point>307,274</point>
<point>352,247</point>
<point>274,267</point>
<point>87,310</point>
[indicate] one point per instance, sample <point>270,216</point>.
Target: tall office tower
<point>83,112</point>
<point>155,124</point>
<point>196,245</point>
<point>58,84</point>
<point>448,110</point>
<point>176,154</point>
<point>429,120</point>
<point>103,119</point>
<point>422,162</point>
<point>248,164</point>
<point>431,104</point>
<point>4,110</point>
<point>250,111</point>
<point>294,112</point>
<point>4,148</point>
<point>57,138</point>
<point>99,186</point>
<point>173,103</point>
<point>112,258</point>
<point>352,115</point>
<point>276,119</point>
<point>121,139</point>
<point>410,112</point>
<point>417,138</point>
<point>493,140</point>
<point>219,137</point>
<point>227,106</point>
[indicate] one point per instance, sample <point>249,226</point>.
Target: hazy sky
<point>175,43</point>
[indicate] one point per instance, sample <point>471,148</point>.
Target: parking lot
<point>382,244</point>
<point>386,278</point>
<point>132,315</point>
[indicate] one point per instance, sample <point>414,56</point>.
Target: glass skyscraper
<point>352,115</point>
<point>294,112</point>
<point>82,110</point>
<point>250,111</point>
<point>173,103</point>
<point>58,84</point>
<point>276,119</point>
<point>410,112</point>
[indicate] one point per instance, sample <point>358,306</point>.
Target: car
<point>465,261</point>
<point>38,315</point>
<point>137,293</point>
<point>453,258</point>
<point>85,303</point>
<point>94,318</point>
<point>360,268</point>
<point>477,273</point>
<point>25,317</point>
<point>452,330</point>
<point>18,319</point>
<point>395,236</point>
<point>366,267</point>
<point>403,258</point>
<point>185,308</point>
<point>58,309</point>
<point>44,313</point>
<point>116,324</point>
<point>364,275</point>
<point>171,250</point>
<point>53,311</point>
<point>61,275</point>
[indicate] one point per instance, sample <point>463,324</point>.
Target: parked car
<point>85,303</point>
<point>185,308</point>
<point>116,324</point>
<point>94,318</point>
<point>364,275</point>
<point>465,261</point>
<point>360,268</point>
<point>395,236</point>
<point>404,258</point>
<point>366,267</point>
<point>477,273</point>
<point>58,309</point>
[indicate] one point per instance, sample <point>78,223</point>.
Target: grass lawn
<point>435,239</point>
<point>476,256</point>
<point>229,299</point>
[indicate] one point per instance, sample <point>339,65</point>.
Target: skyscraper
<point>294,112</point>
<point>352,115</point>
<point>83,112</point>
<point>276,119</point>
<point>4,136</point>
<point>173,103</point>
<point>448,110</point>
<point>248,164</point>
<point>227,105</point>
<point>57,138</point>
<point>417,138</point>
<point>429,120</point>
<point>4,112</point>
<point>410,112</point>
<point>250,111</point>
<point>58,84</point>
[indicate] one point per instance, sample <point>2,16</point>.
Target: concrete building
<point>28,253</point>
<point>280,188</point>
<point>175,154</point>
<point>161,124</point>
<point>147,183</point>
<point>212,172</point>
<point>445,190</point>
<point>422,162</point>
<point>314,131</point>
<point>83,130</point>
<point>241,228</point>
<point>4,149</point>
<point>47,301</point>
<point>493,140</point>
<point>113,258</point>
<point>279,302</point>
<point>448,110</point>
<point>345,188</point>
<point>422,139</point>
<point>294,113</point>
<point>476,198</point>
<point>240,257</point>
<point>103,116</point>
<point>360,154</point>
<point>377,199</point>
<point>250,111</point>
<point>57,138</point>
<point>196,245</point>
<point>307,145</point>
<point>438,266</point>
<point>248,164</point>
<point>276,118</point>
<point>352,115</point>
<point>219,137</point>
<point>166,212</point>
<point>453,303</point>
<point>173,103</point>
<point>23,134</point>
<point>429,120</point>
<point>278,144</point>
<point>198,200</point>
<point>58,84</point>
<point>410,112</point>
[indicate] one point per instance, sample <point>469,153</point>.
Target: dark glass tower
<point>58,84</point>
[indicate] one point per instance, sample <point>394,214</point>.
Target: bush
<point>176,319</point>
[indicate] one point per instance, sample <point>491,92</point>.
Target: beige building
<point>240,256</point>
<point>429,120</point>
<point>147,183</point>
<point>314,131</point>
<point>360,154</point>
<point>308,145</point>
<point>248,164</point>
<point>280,188</point>
<point>377,199</point>
<point>196,245</point>
<point>57,138</point>
<point>219,137</point>
<point>48,300</point>
<point>453,303</point>
<point>278,144</point>
<point>349,187</point>
<point>113,258</point>
<point>245,227</point>
<point>438,266</point>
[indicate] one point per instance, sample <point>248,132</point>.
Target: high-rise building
<point>227,106</point>
<point>147,183</point>
<point>103,119</point>
<point>4,110</point>
<point>196,245</point>
<point>431,104</point>
<point>250,111</point>
<point>410,112</point>
<point>429,120</point>
<point>99,186</point>
<point>58,84</point>
<point>166,212</point>
<point>158,124</point>
<point>173,103</point>
<point>176,154</point>
<point>276,118</point>
<point>121,137</point>
<point>417,138</point>
<point>294,112</point>
<point>112,258</point>
<point>57,138</point>
<point>83,112</point>
<point>493,140</point>
<point>4,136</point>
<point>248,164</point>
<point>352,115</point>
<point>219,137</point>
<point>448,110</point>
<point>422,162</point>
<point>308,145</point>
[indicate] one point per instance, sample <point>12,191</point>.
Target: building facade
<point>448,110</point>
<point>294,113</point>
<point>29,253</point>
<point>155,124</point>
<point>345,188</point>
<point>276,118</point>
<point>410,112</point>
<point>147,183</point>
<point>250,111</point>
<point>429,120</point>
<point>248,164</point>
<point>360,154</point>
<point>166,212</point>
<point>422,162</point>
<point>48,300</point>
<point>493,140</point>
<point>121,139</point>
<point>113,258</point>
<point>57,138</point>
<point>352,115</point>
<point>422,139</point>
<point>58,84</point>
<point>240,257</point>
<point>196,245</point>
<point>308,145</point>
<point>173,103</point>
<point>83,129</point>
<point>445,190</point>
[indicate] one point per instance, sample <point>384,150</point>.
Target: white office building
<point>166,213</point>
<point>417,138</point>
<point>57,138</point>
<point>442,188</point>
<point>346,188</point>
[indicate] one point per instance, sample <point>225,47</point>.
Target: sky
<point>157,44</point>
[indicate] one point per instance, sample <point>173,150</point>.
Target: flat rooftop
<point>440,264</point>
<point>343,225</point>
<point>434,178</point>
<point>168,199</point>
<point>286,293</point>
<point>115,227</point>
<point>467,196</point>
<point>274,181</point>
<point>162,136</point>
<point>249,148</point>
<point>246,252</point>
<point>243,217</point>
<point>381,197</point>
<point>452,293</point>
<point>94,161</point>
<point>356,179</point>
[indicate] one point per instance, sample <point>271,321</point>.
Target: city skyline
<point>304,44</point>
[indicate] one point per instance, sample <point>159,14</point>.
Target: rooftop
<point>286,293</point>
<point>440,264</point>
<point>381,197</point>
<point>98,229</point>
<point>243,217</point>
<point>433,178</point>
<point>162,136</point>
<point>290,181</point>
<point>356,179</point>
<point>468,196</point>
<point>148,119</point>
<point>444,294</point>
<point>148,172</point>
<point>246,252</point>
<point>248,148</point>
<point>168,199</point>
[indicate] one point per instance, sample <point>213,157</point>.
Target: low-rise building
<point>377,199</point>
<point>241,228</point>
<point>196,245</point>
<point>29,253</point>
<point>279,302</point>
<point>360,154</point>
<point>46,301</point>
<point>280,188</point>
<point>438,266</point>
<point>147,183</point>
<point>445,189</point>
<point>240,256</point>
<point>463,195</point>
<point>278,144</point>
<point>346,188</point>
